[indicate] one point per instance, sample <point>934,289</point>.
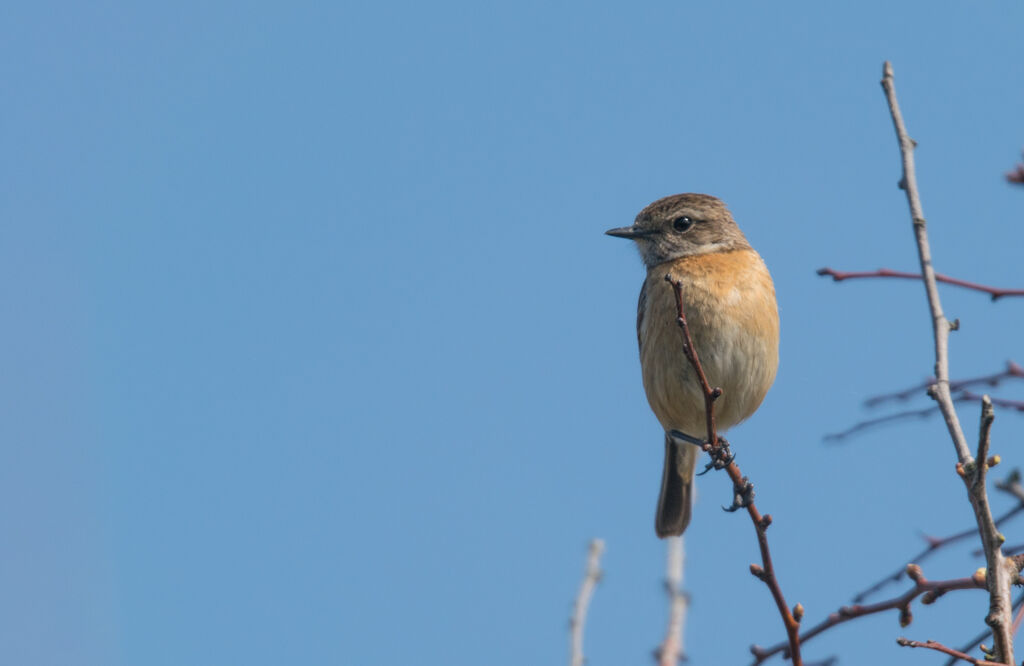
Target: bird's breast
<point>729,301</point>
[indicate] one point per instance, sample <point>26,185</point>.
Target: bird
<point>729,301</point>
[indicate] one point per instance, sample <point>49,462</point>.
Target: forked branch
<point>998,574</point>
<point>931,589</point>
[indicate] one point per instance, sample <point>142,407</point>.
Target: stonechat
<point>729,301</point>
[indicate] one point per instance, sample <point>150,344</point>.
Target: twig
<point>591,576</point>
<point>934,544</point>
<point>670,652</point>
<point>968,396</point>
<point>993,380</point>
<point>940,325</point>
<point>743,489</point>
<point>1016,176</point>
<point>934,645</point>
<point>871,423</point>
<point>1017,619</point>
<point>995,292</point>
<point>976,641</point>
<point>1011,485</point>
<point>998,578</point>
<point>961,396</point>
<point>931,589</point>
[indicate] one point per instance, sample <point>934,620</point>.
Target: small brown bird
<point>730,307</point>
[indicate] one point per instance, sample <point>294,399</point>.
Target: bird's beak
<point>633,232</point>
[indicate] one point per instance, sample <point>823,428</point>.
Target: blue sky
<point>315,352</point>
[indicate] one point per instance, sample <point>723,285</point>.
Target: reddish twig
<point>1015,627</point>
<point>1017,175</point>
<point>931,589</point>
<point>934,645</point>
<point>871,423</point>
<point>1012,370</point>
<point>995,292</point>
<point>934,544</point>
<point>744,491</point>
<point>961,396</point>
<point>976,641</point>
<point>968,396</point>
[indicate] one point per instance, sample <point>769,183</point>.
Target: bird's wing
<point>640,307</point>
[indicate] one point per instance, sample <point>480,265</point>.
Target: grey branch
<point>670,653</point>
<point>579,610</point>
<point>998,574</point>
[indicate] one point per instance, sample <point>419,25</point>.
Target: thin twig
<point>993,380</point>
<point>1016,176</point>
<point>976,641</point>
<point>962,396</point>
<point>1017,619</point>
<point>995,292</point>
<point>671,652</point>
<point>934,645</point>
<point>934,544</point>
<point>968,396</point>
<point>867,424</point>
<point>931,589</point>
<point>591,576</point>
<point>998,578</point>
<point>743,489</point>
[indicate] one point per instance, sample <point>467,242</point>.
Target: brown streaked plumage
<point>730,307</point>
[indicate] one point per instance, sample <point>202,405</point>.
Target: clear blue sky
<point>314,352</point>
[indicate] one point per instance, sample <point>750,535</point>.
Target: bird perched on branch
<point>729,302</point>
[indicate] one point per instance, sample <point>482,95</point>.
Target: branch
<point>579,611</point>
<point>1016,176</point>
<point>670,652</point>
<point>976,641</point>
<point>931,589</point>
<point>871,423</point>
<point>998,578</point>
<point>934,544</point>
<point>995,292</point>
<point>933,645</point>
<point>993,380</point>
<point>961,396</point>
<point>743,489</point>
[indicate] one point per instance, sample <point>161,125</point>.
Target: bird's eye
<point>682,223</point>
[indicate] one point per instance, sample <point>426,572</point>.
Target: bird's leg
<point>721,455</point>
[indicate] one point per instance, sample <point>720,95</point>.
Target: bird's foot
<point>721,455</point>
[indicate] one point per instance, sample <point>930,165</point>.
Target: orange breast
<point>729,302</point>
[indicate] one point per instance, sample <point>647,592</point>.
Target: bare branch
<point>934,544</point>
<point>1016,177</point>
<point>670,652</point>
<point>718,449</point>
<point>931,589</point>
<point>962,396</point>
<point>998,578</point>
<point>934,645</point>
<point>867,424</point>
<point>591,576</point>
<point>995,292</point>
<point>940,325</point>
<point>993,380</point>
<point>976,641</point>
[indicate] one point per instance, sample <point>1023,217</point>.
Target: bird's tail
<point>676,498</point>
